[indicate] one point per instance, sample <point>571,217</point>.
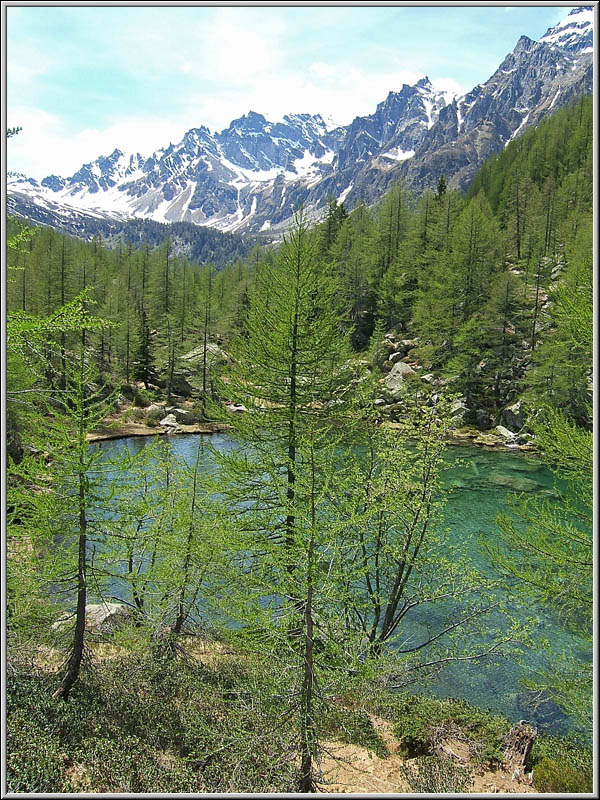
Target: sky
<point>81,81</point>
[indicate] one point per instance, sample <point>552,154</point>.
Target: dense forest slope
<point>471,288</point>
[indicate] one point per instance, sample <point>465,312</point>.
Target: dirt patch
<point>350,768</point>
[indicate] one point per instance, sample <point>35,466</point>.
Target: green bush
<point>561,765</point>
<point>555,776</point>
<point>141,398</point>
<point>141,723</point>
<point>354,727</point>
<point>34,762</point>
<point>417,719</point>
<point>137,414</point>
<point>154,417</point>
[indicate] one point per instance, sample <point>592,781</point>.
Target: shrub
<point>137,414</point>
<point>34,762</point>
<point>141,398</point>
<point>154,417</point>
<point>555,776</point>
<point>417,720</point>
<point>354,727</point>
<point>561,765</point>
<point>142,723</point>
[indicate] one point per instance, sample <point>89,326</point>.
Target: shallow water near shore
<point>478,482</point>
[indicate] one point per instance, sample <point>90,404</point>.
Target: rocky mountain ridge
<point>252,175</point>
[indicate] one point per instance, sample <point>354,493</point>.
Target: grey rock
<point>504,432</point>
<point>181,386</point>
<point>236,408</point>
<point>482,419</point>
<point>397,356</point>
<point>513,417</point>
<point>101,617</point>
<point>169,421</point>
<point>395,379</point>
<point>214,354</point>
<point>182,415</point>
<point>155,408</point>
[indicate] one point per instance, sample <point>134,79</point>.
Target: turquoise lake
<point>478,483</point>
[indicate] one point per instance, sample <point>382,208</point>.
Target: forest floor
<point>345,768</point>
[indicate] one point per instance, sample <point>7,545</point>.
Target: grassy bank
<point>207,718</point>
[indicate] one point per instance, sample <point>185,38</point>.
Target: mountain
<point>253,174</point>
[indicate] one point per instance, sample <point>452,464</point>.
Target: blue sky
<point>84,80</point>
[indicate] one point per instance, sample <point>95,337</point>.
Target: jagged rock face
<point>252,175</point>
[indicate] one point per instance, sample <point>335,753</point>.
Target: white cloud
<point>46,146</point>
<point>448,85</point>
<point>225,62</point>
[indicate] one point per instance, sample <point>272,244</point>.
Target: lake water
<point>478,483</point>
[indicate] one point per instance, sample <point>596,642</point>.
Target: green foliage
<point>153,417</point>
<point>548,548</point>
<point>557,777</point>
<point>418,720</point>
<point>561,765</point>
<point>142,398</point>
<point>354,727</point>
<point>138,724</point>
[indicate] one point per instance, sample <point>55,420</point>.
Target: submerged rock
<point>514,482</point>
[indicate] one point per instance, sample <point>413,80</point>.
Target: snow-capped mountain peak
<point>254,173</point>
<point>575,32</point>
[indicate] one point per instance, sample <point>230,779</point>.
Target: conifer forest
<point>276,504</point>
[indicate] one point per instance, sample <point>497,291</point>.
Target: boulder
<point>394,357</point>
<point>235,408</point>
<point>107,617</point>
<point>169,422</point>
<point>399,372</point>
<point>404,345</point>
<point>214,354</point>
<point>505,433</point>
<point>482,419</point>
<point>156,408</point>
<point>513,417</point>
<point>458,411</point>
<point>182,415</point>
<point>180,385</point>
<point>101,617</point>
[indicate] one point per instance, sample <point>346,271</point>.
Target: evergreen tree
<point>143,364</point>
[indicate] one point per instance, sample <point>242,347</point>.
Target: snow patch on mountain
<point>575,32</point>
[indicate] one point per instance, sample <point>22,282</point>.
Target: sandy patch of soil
<point>350,768</point>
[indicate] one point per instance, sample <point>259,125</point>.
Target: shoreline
<point>128,429</point>
<point>460,437</point>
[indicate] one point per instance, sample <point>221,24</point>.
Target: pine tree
<point>143,364</point>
